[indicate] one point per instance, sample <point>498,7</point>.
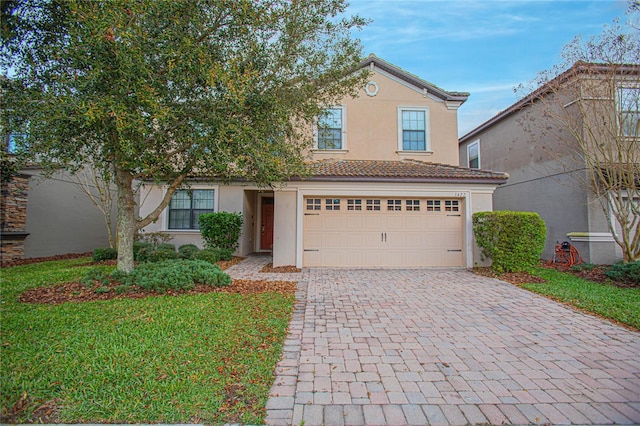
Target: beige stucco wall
<point>247,239</point>
<point>285,227</point>
<point>230,198</point>
<point>371,131</point>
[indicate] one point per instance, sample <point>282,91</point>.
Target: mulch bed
<point>596,274</point>
<point>78,292</point>
<point>280,269</point>
<point>510,277</point>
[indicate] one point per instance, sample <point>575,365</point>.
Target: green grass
<point>608,301</point>
<point>194,358</point>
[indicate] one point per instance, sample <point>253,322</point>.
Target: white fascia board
<point>408,85</point>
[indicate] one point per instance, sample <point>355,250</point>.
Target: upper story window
<point>331,129</point>
<point>413,129</point>
<point>629,109</point>
<point>473,155</point>
<point>186,206</point>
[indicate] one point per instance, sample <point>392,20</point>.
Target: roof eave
<point>381,179</point>
<point>577,69</point>
<point>460,97</point>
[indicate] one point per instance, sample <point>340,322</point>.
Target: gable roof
<point>373,60</point>
<point>398,171</point>
<point>576,69</point>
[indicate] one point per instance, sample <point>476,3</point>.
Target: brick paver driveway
<point>446,347</point>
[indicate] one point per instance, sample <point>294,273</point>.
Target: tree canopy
<point>163,90</point>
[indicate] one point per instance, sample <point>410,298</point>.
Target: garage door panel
<point>410,237</point>
<point>313,239</point>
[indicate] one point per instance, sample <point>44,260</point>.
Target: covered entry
<point>382,232</point>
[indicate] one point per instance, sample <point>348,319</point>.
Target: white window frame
<point>472,144</point>
<point>427,129</point>
<point>165,213</point>
<point>343,148</point>
<point>620,112</point>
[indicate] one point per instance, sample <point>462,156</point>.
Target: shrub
<point>160,254</point>
<point>207,255</point>
<point>584,267</point>
<point>178,275</point>
<point>224,253</point>
<point>221,230</point>
<point>106,253</point>
<point>512,240</point>
<point>625,272</point>
<point>96,275</point>
<point>149,253</point>
<point>139,246</point>
<point>187,251</point>
<point>122,277</point>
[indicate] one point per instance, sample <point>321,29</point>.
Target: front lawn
<point>621,304</point>
<point>205,358</point>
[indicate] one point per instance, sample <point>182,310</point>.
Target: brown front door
<point>266,234</point>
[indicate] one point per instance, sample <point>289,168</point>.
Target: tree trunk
<point>126,219</point>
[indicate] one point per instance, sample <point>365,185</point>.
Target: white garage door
<point>382,232</point>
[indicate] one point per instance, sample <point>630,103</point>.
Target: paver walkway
<point>445,347</point>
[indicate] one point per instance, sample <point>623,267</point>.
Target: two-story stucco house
<point>385,189</point>
<point>549,173</point>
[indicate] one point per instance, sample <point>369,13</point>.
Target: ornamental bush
<point>178,275</point>
<point>221,230</point>
<point>512,240</point>
<point>625,272</point>
<point>187,251</point>
<point>160,254</point>
<point>106,253</point>
<point>141,250</point>
<point>207,255</point>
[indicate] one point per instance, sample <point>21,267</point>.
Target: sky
<point>484,47</point>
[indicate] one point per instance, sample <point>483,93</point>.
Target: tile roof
<point>404,170</point>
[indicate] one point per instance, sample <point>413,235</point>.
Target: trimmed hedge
<point>106,253</point>
<point>512,240</point>
<point>188,251</point>
<point>221,230</point>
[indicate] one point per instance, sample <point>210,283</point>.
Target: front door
<point>266,234</point>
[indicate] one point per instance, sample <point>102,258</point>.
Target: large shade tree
<point>163,90</point>
<point>593,100</point>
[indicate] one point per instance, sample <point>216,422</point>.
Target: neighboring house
<point>47,216</point>
<point>385,189</point>
<point>547,171</point>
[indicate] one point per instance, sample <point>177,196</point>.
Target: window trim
<point>474,143</point>
<point>427,129</point>
<point>165,212</point>
<point>620,112</point>
<point>343,148</point>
